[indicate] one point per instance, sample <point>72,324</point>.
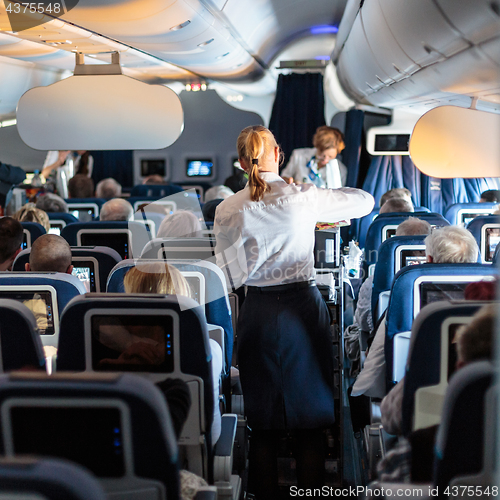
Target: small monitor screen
<point>91,437</point>
<point>25,239</point>
<point>492,240</point>
<point>389,233</point>
<point>435,292</point>
<point>116,241</point>
<point>56,228</point>
<point>412,257</point>
<point>85,271</point>
<point>153,167</point>
<point>132,343</point>
<point>466,218</point>
<point>40,303</point>
<point>199,168</point>
<point>83,214</point>
<point>194,285</point>
<point>392,142</point>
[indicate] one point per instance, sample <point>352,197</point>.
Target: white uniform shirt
<point>334,174</point>
<point>270,242</point>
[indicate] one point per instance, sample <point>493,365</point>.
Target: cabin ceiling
<point>224,40</point>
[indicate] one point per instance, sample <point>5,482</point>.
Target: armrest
<point>416,491</point>
<point>387,441</point>
<point>223,452</point>
<point>206,493</point>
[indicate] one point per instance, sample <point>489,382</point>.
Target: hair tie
<point>255,161</point>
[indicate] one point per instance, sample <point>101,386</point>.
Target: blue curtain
<point>116,164</point>
<point>389,172</point>
<point>353,141</point>
<point>298,110</point>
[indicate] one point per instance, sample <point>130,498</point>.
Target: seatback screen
<point>435,292</point>
<point>83,214</point>
<point>85,271</point>
<point>132,343</point>
<point>91,437</point>
<point>199,168</point>
<point>40,303</point>
<point>412,257</point>
<point>492,239</point>
<point>116,241</point>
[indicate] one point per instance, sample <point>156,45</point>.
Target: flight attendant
<point>265,239</point>
<point>319,165</point>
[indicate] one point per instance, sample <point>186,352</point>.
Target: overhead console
<point>395,53</point>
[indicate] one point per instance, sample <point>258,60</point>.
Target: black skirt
<point>285,358</point>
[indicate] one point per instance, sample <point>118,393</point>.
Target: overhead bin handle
<point>97,69</point>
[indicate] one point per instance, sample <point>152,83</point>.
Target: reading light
<point>204,44</point>
<point>223,55</point>
<point>180,26</point>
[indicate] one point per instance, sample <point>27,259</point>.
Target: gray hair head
<point>218,193</point>
<point>50,202</point>
<point>116,209</point>
<point>108,188</point>
<point>451,244</point>
<point>50,252</point>
<point>413,226</point>
<point>180,224</point>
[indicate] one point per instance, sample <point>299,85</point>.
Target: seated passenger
<point>11,239</point>
<point>395,193</point>
<point>154,179</point>
<point>449,244</point>
<point>218,193</point>
<point>412,459</point>
<point>29,213</point>
<point>108,188</point>
<point>116,210</point>
<point>318,165</point>
<point>396,205</point>
<point>50,202</point>
<point>490,196</point>
<point>363,320</point>
<point>81,186</point>
<point>161,278</point>
<point>51,253</point>
<point>180,224</point>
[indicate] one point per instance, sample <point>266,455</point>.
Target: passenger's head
<point>50,202</point>
<point>475,340</point>
<point>490,196</point>
<point>108,188</point>
<point>481,290</point>
<point>396,205</point>
<point>413,226</point>
<point>395,193</point>
<point>156,277</point>
<point>180,224</point>
<point>154,179</point>
<point>329,142</point>
<point>50,252</point>
<point>11,238</point>
<point>451,244</point>
<point>81,186</point>
<point>116,209</point>
<point>218,193</point>
<point>258,152</point>
<point>29,213</point>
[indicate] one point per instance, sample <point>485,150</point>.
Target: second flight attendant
<point>265,239</point>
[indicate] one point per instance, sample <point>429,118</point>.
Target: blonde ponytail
<point>254,144</point>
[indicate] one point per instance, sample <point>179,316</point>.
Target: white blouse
<point>271,242</point>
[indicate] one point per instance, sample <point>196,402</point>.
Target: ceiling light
<point>180,26</point>
<point>204,44</point>
<point>321,30</point>
<point>223,55</point>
